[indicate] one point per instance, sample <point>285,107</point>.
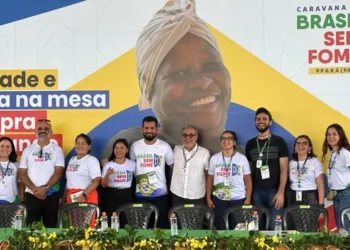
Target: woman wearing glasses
<point>338,170</point>
<point>305,174</point>
<point>229,179</point>
<point>83,173</point>
<point>8,173</point>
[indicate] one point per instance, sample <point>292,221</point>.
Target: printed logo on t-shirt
<point>303,171</point>
<point>44,156</point>
<point>149,160</point>
<point>230,171</point>
<point>122,176</point>
<point>9,172</point>
<point>73,168</point>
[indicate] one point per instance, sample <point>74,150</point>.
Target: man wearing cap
<point>40,170</point>
<point>191,163</point>
<point>268,155</point>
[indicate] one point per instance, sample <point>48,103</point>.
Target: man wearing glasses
<point>191,163</point>
<point>40,170</point>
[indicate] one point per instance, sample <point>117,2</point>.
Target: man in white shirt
<point>191,163</point>
<point>151,155</point>
<point>40,170</point>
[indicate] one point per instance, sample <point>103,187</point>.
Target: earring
<point>309,152</point>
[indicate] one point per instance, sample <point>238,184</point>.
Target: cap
<point>255,212</point>
<point>103,213</point>
<point>263,110</point>
<point>173,215</point>
<point>114,214</point>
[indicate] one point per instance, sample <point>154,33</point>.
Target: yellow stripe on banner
<point>329,70</point>
<point>29,79</point>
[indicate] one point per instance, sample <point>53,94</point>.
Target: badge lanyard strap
<point>187,160</point>
<point>2,170</point>
<point>267,151</point>
<point>299,173</point>
<point>229,164</point>
<point>266,143</point>
<point>331,163</point>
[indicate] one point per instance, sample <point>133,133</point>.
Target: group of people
<point>188,172</point>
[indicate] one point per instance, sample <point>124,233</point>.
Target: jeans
<point>341,201</point>
<point>264,197</point>
<point>220,207</point>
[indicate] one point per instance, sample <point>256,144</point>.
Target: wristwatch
<point>322,205</point>
<point>85,196</point>
<point>47,186</point>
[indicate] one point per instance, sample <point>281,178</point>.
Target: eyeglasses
<point>304,143</point>
<point>189,135</point>
<point>44,120</point>
<point>227,139</point>
<point>41,153</point>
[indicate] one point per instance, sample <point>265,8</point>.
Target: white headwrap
<point>166,28</point>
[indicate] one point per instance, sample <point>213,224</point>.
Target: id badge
<point>258,163</point>
<point>152,178</point>
<point>299,195</point>
<point>3,182</point>
<point>227,182</point>
<point>265,172</point>
<point>184,171</point>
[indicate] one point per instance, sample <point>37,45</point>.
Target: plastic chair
<point>304,218</point>
<point>243,214</point>
<point>8,213</point>
<point>138,214</point>
<point>79,214</point>
<point>345,213</point>
<point>191,216</point>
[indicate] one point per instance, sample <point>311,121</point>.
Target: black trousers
<point>45,210</point>
<point>177,200</point>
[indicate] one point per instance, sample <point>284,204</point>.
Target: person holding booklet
<point>83,173</point>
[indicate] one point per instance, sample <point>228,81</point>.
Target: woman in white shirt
<point>338,170</point>
<point>305,174</point>
<point>83,173</point>
<point>117,178</point>
<point>229,180</point>
<point>8,172</point>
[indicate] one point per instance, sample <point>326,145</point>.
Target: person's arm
<point>249,188</point>
<point>320,188</point>
<point>21,188</point>
<point>106,175</point>
<point>22,174</point>
<point>210,184</point>
<point>93,186</point>
<point>55,177</point>
<point>279,197</point>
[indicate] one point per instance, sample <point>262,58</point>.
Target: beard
<point>149,137</point>
<point>262,130</point>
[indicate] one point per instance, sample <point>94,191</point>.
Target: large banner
<point>74,62</point>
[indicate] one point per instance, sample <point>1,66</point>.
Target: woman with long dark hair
<point>305,174</point>
<point>338,169</point>
<point>117,178</point>
<point>9,185</point>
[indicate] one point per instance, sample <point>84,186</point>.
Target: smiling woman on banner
<point>83,173</point>
<point>338,170</point>
<point>8,172</point>
<point>182,77</point>
<point>305,174</point>
<point>229,180</point>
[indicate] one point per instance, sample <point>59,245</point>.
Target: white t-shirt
<point>309,172</point>
<point>39,170</point>
<point>339,176</point>
<point>150,167</point>
<point>122,174</point>
<point>188,179</point>
<point>81,172</point>
<point>235,186</point>
<point>8,174</point>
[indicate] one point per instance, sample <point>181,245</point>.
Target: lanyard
<point>267,151</point>
<point>303,169</point>
<point>229,164</point>
<point>331,163</point>
<point>2,170</point>
<point>187,160</point>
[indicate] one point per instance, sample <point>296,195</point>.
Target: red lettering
<point>312,55</point>
<point>328,36</point>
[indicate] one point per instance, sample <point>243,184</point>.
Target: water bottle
<point>104,222</point>
<point>255,219</point>
<point>114,221</point>
<point>278,226</point>
<point>18,220</point>
<point>173,224</point>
